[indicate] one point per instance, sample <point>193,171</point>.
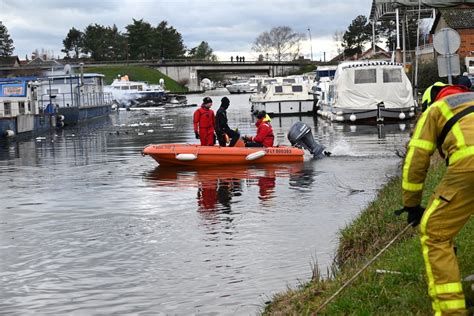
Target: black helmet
<point>206,100</point>
<point>225,101</point>
<point>464,81</point>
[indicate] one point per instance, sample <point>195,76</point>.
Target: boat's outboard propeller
<point>300,136</point>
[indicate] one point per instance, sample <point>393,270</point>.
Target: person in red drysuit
<point>204,121</point>
<point>264,137</point>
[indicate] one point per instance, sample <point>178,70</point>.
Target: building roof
<point>40,61</point>
<point>458,18</point>
<point>10,61</point>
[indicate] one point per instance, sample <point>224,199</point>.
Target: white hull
<point>378,114</point>
<point>293,107</point>
<point>241,89</point>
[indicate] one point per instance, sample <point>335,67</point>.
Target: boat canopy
<point>362,85</point>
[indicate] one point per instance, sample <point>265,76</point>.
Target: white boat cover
<point>362,85</point>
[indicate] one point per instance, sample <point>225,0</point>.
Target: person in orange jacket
<point>264,137</point>
<point>204,121</point>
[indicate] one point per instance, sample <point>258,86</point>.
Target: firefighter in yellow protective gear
<point>430,94</point>
<point>448,124</point>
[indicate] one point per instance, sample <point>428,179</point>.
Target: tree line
<point>140,41</point>
<point>143,41</point>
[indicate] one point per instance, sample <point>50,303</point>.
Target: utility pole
<point>310,43</point>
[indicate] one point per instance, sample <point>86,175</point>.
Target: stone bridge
<point>193,72</point>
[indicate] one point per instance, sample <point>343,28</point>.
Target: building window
<point>392,75</point>
<point>364,76</point>
<point>21,107</point>
<point>7,109</point>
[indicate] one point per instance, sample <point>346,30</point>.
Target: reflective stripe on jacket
<point>458,146</point>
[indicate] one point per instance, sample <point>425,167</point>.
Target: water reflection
<point>218,186</point>
<point>381,130</point>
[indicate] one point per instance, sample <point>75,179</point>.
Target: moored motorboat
<point>364,91</point>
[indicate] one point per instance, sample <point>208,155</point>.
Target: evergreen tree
<point>104,43</point>
<point>203,51</point>
<point>140,40</point>
<point>357,34</point>
<point>168,42</point>
<point>6,43</point>
<point>73,42</point>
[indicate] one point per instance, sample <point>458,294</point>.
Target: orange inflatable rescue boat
<point>196,155</point>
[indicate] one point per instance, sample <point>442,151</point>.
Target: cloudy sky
<point>229,26</point>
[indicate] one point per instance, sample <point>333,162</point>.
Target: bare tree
<point>282,43</point>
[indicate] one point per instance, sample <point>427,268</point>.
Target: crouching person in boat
<point>204,121</point>
<point>264,137</point>
<point>222,128</point>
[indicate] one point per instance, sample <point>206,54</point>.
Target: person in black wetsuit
<point>222,128</point>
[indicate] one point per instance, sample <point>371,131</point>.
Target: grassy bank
<point>137,73</point>
<point>402,292</point>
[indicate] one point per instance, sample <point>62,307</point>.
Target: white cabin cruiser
<point>367,91</point>
<point>132,93</point>
<point>243,86</point>
<point>286,97</point>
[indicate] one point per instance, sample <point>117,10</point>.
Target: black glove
<point>414,214</point>
<point>196,134</point>
<point>327,153</point>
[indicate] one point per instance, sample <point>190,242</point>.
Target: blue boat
<point>31,105</point>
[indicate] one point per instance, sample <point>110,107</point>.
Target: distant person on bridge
<point>264,137</point>
<point>204,122</point>
<point>231,59</point>
<point>237,58</point>
<point>222,128</point>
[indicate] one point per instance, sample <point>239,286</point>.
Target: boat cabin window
<point>21,107</point>
<point>365,76</point>
<point>289,80</point>
<point>297,88</point>
<point>124,88</point>
<point>392,75</point>
<point>52,91</point>
<point>58,81</point>
<point>89,81</point>
<point>278,89</point>
<point>7,109</point>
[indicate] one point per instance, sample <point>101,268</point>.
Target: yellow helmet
<point>430,94</point>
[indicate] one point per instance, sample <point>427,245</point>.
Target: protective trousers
<point>206,136</point>
<point>449,209</point>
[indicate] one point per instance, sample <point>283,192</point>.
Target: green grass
<point>372,293</point>
<point>137,73</point>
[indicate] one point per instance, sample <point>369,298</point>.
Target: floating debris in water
<point>150,131</point>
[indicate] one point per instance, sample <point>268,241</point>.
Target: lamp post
<point>310,43</point>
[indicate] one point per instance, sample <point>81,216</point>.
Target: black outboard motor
<point>300,136</point>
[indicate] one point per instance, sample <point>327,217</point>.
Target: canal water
<point>89,226</point>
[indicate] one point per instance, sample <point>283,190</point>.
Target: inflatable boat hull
<point>196,155</point>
